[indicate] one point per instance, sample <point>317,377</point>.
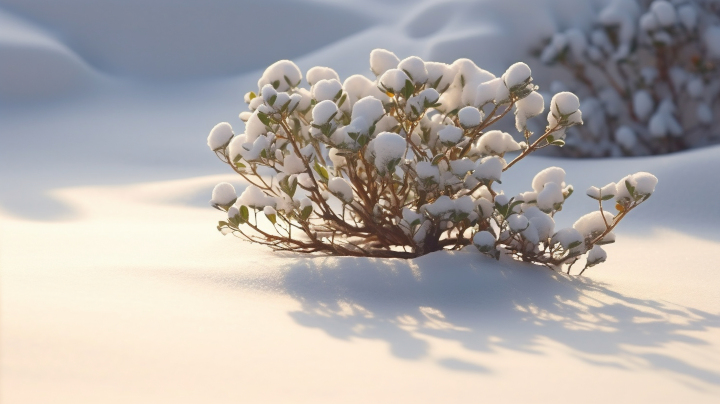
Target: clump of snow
<point>469,117</point>
<point>596,255</point>
<point>517,75</point>
<point>484,241</point>
<point>415,68</point>
<point>450,135</point>
<point>326,90</point>
<point>255,198</point>
<point>528,107</point>
<point>549,175</point>
<point>518,223</point>
<point>550,197</point>
<point>341,188</point>
<point>664,12</point>
<point>393,80</point>
<point>220,136</point>
<point>567,237</point>
<point>282,75</point>
<point>369,108</point>
<point>223,194</point>
<point>324,111</point>
<point>389,149</point>
<point>293,164</point>
<point>440,75</point>
<point>489,168</point>
<point>592,224</point>
<point>497,143</point>
<point>564,103</point>
<point>382,60</point>
<point>318,73</point>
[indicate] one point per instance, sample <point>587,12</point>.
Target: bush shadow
<point>487,305</point>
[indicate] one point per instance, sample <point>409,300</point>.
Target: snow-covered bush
<point>647,72</point>
<point>405,165</point>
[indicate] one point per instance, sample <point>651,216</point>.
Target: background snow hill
<point>116,287</point>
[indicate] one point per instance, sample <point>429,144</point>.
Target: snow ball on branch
<point>318,73</point>
<point>469,117</point>
<point>326,90</point>
<point>550,198</point>
<point>255,198</point>
<point>324,111</point>
<point>369,108</point>
<point>394,80</point>
<point>450,135</point>
<point>293,164</point>
<point>564,104</point>
<point>440,75</point>
<point>528,107</point>
<point>596,256</point>
<point>428,172</point>
<point>389,149</point>
<point>484,241</point>
<point>489,169</point>
<point>414,67</point>
<point>223,194</point>
<point>282,75</point>
<point>568,237</point>
<point>664,12</point>
<point>485,92</point>
<point>341,188</point>
<point>642,185</point>
<point>382,60</point>
<point>497,143</point>
<point>518,223</point>
<point>549,175</point>
<point>543,223</point>
<point>517,75</point>
<point>219,136</point>
<point>592,225</point>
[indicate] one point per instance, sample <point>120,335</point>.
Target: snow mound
<point>164,40</point>
<point>34,65</point>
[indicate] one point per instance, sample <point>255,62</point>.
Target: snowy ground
<point>115,285</point>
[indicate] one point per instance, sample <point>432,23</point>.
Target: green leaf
<point>252,95</point>
<point>276,84</point>
<point>272,218</point>
<point>437,158</point>
<point>607,197</point>
<point>306,212</point>
<point>574,244</point>
<point>322,171</point>
<point>293,187</point>
<point>263,118</point>
<point>244,213</point>
<point>415,223</point>
<point>222,224</point>
<point>287,80</point>
<point>408,90</point>
<point>263,153</point>
<point>272,99</point>
<point>338,95</point>
<point>342,100</point>
<point>630,188</point>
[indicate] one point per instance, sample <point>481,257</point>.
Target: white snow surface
<point>116,287</point>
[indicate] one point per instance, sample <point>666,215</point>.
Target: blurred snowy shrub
<point>405,165</point>
<point>648,75</point>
